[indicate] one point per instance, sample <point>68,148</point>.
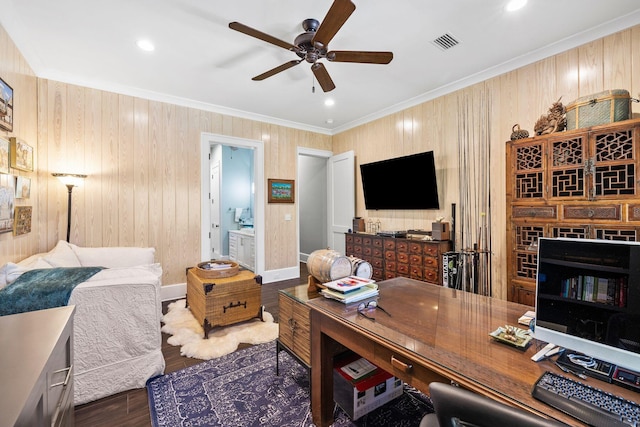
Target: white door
<point>216,238</point>
<point>341,197</point>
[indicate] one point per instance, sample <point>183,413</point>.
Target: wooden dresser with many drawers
<point>399,257</point>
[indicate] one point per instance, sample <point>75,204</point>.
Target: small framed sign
<point>7,202</point>
<point>281,191</point>
<point>22,221</point>
<point>23,187</point>
<point>6,106</point>
<point>21,155</point>
<point>4,156</point>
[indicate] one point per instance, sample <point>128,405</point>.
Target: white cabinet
<point>36,371</point>
<point>242,248</point>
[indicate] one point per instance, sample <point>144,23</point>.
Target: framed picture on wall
<point>281,190</point>
<point>7,202</point>
<point>6,106</point>
<point>22,223</point>
<point>21,155</point>
<point>4,156</point>
<point>23,187</point>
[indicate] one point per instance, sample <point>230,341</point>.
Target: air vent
<point>446,42</point>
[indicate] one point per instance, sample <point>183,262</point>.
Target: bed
<point>117,339</point>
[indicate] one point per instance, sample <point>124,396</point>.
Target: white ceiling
<point>200,62</point>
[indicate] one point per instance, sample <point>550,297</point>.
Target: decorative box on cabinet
<point>581,183</point>
<point>399,257</point>
<point>36,371</point>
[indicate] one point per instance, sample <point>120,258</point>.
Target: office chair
<point>456,407</point>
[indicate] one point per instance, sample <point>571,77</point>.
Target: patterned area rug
<point>241,389</point>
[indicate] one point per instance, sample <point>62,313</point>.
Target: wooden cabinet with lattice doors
<point>581,183</point>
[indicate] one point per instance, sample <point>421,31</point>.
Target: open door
<point>216,238</point>
<point>341,198</point>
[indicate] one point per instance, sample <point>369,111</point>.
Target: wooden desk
<point>433,334</point>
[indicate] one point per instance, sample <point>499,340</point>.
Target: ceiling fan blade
<point>323,77</point>
<point>277,70</point>
<point>360,56</point>
<point>262,36</point>
<point>338,14</point>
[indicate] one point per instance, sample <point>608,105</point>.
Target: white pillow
<point>62,256</point>
<point>114,257</point>
<point>10,272</point>
<point>30,260</point>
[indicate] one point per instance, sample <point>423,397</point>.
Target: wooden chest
<point>224,301</point>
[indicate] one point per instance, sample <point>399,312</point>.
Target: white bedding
<point>117,339</point>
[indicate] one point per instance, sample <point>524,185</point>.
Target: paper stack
<point>350,289</point>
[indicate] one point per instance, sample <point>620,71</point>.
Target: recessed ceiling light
<point>329,102</point>
<point>146,45</point>
<point>329,121</point>
<point>514,5</point>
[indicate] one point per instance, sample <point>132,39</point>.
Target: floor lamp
<point>70,180</point>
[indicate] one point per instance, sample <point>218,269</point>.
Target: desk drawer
<point>295,327</point>
<point>405,368</point>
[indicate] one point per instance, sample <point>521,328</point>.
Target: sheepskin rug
<point>187,333</point>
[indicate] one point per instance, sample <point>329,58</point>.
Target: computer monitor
<point>588,298</point>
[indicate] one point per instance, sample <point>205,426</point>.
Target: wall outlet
<point>287,217</point>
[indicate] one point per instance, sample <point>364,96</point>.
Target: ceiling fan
<point>313,45</point>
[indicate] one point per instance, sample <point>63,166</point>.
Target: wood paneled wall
<point>142,155</point>
<point>15,71</point>
<point>143,158</point>
<point>520,96</point>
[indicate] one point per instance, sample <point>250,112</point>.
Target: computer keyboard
<point>588,404</point>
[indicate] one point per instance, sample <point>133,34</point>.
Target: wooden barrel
<point>360,268</point>
<point>327,265</point>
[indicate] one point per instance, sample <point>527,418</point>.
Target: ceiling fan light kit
<point>313,45</point>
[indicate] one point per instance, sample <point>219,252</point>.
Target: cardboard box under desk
<point>361,396</point>
<point>224,301</point>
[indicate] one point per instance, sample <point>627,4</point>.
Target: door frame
<point>312,152</point>
<point>206,141</point>
<point>217,243</point>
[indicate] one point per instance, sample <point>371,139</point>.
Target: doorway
<point>312,197</point>
<point>232,213</point>
<point>334,201</point>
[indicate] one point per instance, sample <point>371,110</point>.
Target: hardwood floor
<point>131,408</point>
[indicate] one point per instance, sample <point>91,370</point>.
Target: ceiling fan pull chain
<point>313,85</point>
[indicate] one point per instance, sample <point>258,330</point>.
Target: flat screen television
<point>588,298</point>
<point>407,182</point>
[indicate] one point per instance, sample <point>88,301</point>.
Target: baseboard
<point>281,274</point>
<point>171,292</point>
<point>179,290</point>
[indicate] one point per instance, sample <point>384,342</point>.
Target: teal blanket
<point>41,289</point>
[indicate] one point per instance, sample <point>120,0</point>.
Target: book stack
<point>350,289</point>
<point>605,290</point>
